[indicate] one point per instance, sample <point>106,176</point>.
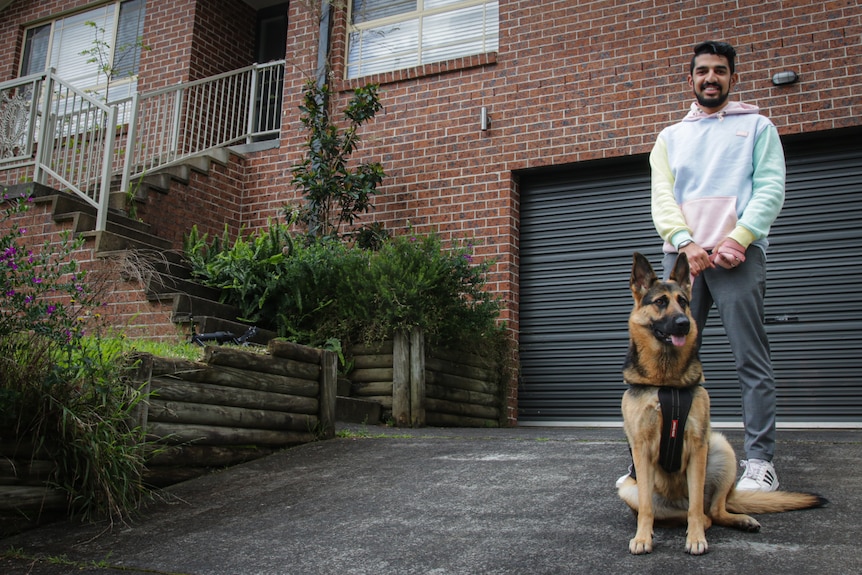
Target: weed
<point>62,386</point>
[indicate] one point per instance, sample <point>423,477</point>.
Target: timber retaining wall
<point>419,385</point>
<point>233,406</point>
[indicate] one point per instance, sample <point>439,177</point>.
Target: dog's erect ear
<point>643,276</point>
<point>681,273</point>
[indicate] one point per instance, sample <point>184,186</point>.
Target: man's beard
<point>712,102</point>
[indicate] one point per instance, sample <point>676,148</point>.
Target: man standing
<point>717,186</point>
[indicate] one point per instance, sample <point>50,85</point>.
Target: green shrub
<point>311,293</point>
<point>336,191</point>
<point>60,387</point>
<point>247,270</point>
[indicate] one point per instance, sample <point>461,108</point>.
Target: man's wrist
<point>684,243</point>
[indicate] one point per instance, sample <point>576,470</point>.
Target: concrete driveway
<point>451,501</point>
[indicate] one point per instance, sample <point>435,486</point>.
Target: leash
<point>675,404</point>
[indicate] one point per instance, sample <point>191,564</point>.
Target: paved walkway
<point>452,501</point>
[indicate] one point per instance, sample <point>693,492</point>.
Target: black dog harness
<point>675,404</point>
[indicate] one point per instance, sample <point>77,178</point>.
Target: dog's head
<point>662,307</point>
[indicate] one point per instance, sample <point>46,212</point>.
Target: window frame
<point>125,84</point>
<point>489,42</point>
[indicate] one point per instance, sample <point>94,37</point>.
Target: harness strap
<point>675,404</point>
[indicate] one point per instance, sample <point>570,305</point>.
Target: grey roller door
<point>579,227</point>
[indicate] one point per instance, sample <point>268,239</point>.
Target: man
<point>717,186</point>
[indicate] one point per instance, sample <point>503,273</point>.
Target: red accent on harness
<point>673,428</point>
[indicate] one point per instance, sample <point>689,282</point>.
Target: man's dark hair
<point>717,48</point>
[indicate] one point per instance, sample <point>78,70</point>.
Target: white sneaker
<point>621,480</point>
<point>759,475</point>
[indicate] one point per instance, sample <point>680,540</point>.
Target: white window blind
<point>67,45</point>
<point>392,35</point>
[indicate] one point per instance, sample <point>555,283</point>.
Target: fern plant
<point>247,271</point>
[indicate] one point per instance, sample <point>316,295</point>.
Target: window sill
<point>453,65</point>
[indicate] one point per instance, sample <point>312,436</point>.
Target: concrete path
<point>452,501</point>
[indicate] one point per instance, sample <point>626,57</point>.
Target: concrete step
<point>112,241</point>
<point>186,306</point>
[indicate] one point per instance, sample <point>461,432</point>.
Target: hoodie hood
<point>695,113</point>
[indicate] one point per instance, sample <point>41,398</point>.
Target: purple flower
<point>51,309</point>
<point>22,231</point>
<point>37,280</point>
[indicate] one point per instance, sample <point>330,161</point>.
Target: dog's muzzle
<point>672,330</point>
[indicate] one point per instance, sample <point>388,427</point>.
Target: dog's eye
<point>661,301</point>
<point>683,302</point>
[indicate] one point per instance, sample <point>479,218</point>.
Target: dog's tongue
<point>678,340</point>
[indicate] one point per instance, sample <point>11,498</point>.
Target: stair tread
<point>169,280</point>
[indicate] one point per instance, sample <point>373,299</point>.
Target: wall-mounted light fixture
<point>484,119</point>
<point>784,78</point>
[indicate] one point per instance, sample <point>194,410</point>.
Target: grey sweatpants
<point>738,295</point>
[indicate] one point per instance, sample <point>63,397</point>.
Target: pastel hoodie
<point>716,176</point>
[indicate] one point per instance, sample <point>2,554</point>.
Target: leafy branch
<point>335,193</point>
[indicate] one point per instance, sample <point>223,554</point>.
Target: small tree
<point>110,64</point>
<point>335,194</point>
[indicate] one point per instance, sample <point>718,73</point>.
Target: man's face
<point>711,81</point>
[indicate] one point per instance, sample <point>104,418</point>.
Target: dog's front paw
<point>640,545</point>
<point>696,546</point>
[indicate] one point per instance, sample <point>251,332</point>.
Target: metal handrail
<point>73,141</point>
<point>65,134</point>
<point>173,124</point>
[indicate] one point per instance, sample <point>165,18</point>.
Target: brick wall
<point>209,200</point>
<point>193,39</point>
<point>168,29</point>
<point>111,280</point>
<point>576,81</point>
<point>572,81</point>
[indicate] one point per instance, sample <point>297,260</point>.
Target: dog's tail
<point>772,501</point>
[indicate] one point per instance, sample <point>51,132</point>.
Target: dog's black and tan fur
<point>663,352</point>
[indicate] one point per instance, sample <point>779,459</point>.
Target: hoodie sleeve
<point>767,189</point>
<point>666,213</point>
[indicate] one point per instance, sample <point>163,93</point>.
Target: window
<point>111,32</point>
<point>386,35</point>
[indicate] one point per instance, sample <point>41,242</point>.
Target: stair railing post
<point>131,137</point>
<point>252,103</point>
<point>45,125</point>
<point>107,170</point>
<point>175,127</point>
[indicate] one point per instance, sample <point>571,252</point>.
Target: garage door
<point>579,227</point>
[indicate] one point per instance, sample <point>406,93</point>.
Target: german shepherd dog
<point>695,486</point>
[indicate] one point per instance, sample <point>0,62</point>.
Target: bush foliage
<point>311,293</point>
<point>62,387</point>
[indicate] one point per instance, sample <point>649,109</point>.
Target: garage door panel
<point>579,228</point>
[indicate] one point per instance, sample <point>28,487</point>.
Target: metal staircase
<point>59,136</point>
